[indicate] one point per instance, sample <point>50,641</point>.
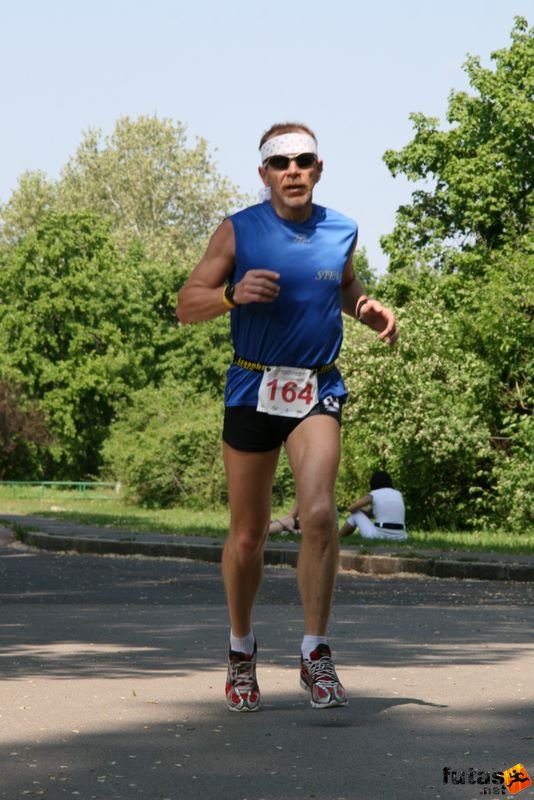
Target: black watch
<point>229,293</point>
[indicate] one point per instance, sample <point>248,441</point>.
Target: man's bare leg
<point>313,451</point>
<point>250,477</point>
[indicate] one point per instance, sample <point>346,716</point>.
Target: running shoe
<point>242,690</point>
<point>318,675</point>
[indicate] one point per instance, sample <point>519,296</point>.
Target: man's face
<point>292,187</point>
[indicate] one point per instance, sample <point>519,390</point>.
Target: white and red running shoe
<point>242,690</point>
<point>318,676</point>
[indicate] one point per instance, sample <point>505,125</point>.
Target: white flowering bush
<point>419,410</point>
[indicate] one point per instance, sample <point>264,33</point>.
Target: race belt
<point>256,366</point>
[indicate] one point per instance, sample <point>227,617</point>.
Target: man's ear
<point>319,167</point>
<point>263,175</point>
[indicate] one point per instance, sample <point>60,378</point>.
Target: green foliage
<point>363,270</point>
<point>159,193</point>
<point>513,504</point>
<point>74,330</point>
<point>201,356</point>
<point>90,270</point>
<point>153,186</point>
<point>497,324</point>
<point>166,449</point>
<point>26,208</point>
<point>448,411</point>
<point>418,410</point>
<point>91,267</point>
<point>476,177</point>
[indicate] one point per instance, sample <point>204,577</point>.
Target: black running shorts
<point>256,432</point>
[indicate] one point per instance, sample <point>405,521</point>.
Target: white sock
<point>309,643</point>
<point>243,645</point>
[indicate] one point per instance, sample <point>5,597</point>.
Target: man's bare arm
<point>369,311</point>
<point>201,297</point>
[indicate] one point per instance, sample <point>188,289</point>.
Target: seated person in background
<point>385,504</point>
<point>286,524</point>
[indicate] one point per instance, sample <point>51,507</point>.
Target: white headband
<point>288,144</point>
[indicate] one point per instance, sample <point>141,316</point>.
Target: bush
<point>23,433</point>
<point>165,449</point>
<point>513,506</point>
<point>419,411</point>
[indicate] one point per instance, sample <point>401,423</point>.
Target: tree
<point>198,354</point>
<point>151,184</point>
<point>497,325</point>
<point>419,410</point>
<point>462,250</point>
<point>476,177</point>
<point>496,322</point>
<point>513,507</point>
<point>34,197</point>
<point>158,191</point>
<point>76,331</point>
<point>363,270</point>
<point>90,270</point>
<point>449,410</point>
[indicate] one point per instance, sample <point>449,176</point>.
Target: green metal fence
<point>88,490</point>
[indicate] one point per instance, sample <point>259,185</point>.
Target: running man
<point>283,270</point>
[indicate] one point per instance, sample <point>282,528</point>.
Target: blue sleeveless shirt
<point>302,327</point>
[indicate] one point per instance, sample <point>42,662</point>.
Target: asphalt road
<point>112,672</point>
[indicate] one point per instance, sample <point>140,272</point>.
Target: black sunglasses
<point>303,161</point>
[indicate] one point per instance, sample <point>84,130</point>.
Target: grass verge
<point>108,510</point>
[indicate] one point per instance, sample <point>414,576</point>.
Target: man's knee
<point>319,521</point>
<point>246,547</point>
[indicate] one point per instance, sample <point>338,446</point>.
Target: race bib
<point>287,391</point>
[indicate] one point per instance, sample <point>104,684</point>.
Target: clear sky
<point>228,69</point>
